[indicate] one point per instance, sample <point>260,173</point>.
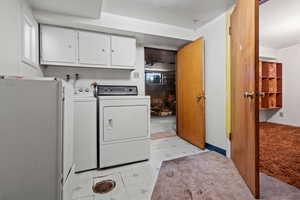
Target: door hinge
<point>230,30</point>
<point>63,94</point>
<point>230,135</point>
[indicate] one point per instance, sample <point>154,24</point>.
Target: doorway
<point>175,82</point>
<point>279,96</point>
<point>160,85</point>
<point>261,89</point>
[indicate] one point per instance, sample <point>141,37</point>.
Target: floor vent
<point>104,187</point>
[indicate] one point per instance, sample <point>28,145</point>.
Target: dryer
<point>124,125</point>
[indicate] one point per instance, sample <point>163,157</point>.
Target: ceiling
<point>279,23</point>
<point>184,13</point>
<point>81,8</point>
<point>190,14</point>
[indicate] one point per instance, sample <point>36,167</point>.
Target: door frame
<point>166,49</point>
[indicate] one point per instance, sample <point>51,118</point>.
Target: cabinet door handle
<point>110,123</point>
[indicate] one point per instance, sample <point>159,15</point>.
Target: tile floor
<point>135,181</point>
<point>163,124</point>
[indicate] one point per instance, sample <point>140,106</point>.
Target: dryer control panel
<point>115,90</point>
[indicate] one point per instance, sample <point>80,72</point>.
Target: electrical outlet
<point>281,114</point>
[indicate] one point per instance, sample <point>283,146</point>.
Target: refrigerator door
<point>29,140</point>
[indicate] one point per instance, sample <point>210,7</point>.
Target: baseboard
<point>215,148</point>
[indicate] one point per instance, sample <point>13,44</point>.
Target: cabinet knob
<point>112,50</point>
<point>69,46</point>
<point>103,50</point>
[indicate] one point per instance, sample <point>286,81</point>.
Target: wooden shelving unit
<point>270,84</point>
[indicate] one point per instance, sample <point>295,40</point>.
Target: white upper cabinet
<point>58,45</point>
<point>93,48</point>
<point>123,51</point>
<point>69,47</point>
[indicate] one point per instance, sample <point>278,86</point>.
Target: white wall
<point>265,52</point>
<point>10,39</point>
<point>116,24</point>
<point>214,34</point>
<point>291,87</point>
<point>104,76</point>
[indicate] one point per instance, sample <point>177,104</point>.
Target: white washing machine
<point>124,125</point>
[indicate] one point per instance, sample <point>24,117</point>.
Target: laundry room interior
<point>149,99</point>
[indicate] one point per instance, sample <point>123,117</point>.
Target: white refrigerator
<point>36,139</point>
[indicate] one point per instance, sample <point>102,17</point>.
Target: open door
<point>244,87</point>
<point>190,93</point>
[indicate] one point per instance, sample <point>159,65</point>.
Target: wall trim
<point>215,148</point>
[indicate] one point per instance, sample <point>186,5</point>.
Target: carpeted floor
<point>280,152</point>
<point>211,176</point>
<point>274,189</point>
<point>204,176</point>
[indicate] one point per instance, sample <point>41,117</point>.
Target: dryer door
<point>125,122</point>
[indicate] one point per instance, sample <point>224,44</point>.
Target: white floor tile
<point>163,124</point>
<point>138,175</point>
<point>139,192</point>
<point>87,198</point>
<point>83,187</point>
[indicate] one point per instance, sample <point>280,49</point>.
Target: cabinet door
<point>85,131</point>
<point>93,48</point>
<point>125,122</point>
<point>123,51</point>
<point>58,45</point>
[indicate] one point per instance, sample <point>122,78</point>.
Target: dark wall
<point>160,73</point>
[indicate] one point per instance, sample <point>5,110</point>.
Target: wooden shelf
<point>270,83</point>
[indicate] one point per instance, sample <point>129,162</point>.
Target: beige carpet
<point>274,189</point>
<point>204,176</point>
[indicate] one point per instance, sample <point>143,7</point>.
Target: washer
<point>85,133</point>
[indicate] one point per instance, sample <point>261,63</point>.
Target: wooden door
<point>190,93</point>
<point>244,87</point>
